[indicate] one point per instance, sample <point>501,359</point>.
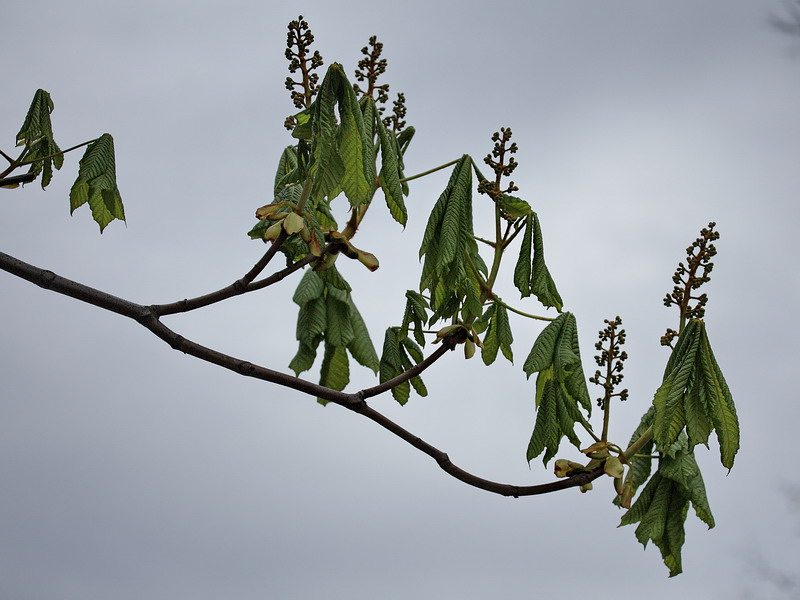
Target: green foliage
<point>327,313</point>
<point>532,276</point>
<point>398,352</point>
<point>342,152</point>
<point>36,136</point>
<point>663,504</point>
<point>97,178</point>
<point>498,334</point>
<point>452,266</point>
<point>339,135</point>
<point>560,387</point>
<point>97,183</point>
<point>695,397</point>
<point>416,314</point>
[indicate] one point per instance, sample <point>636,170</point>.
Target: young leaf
<point>695,397</point>
<point>560,386</point>
<point>335,370</point>
<point>395,360</point>
<point>498,336</point>
<point>452,264</point>
<point>391,173</point>
<point>355,145</point>
<point>542,284</point>
<point>663,504</point>
<point>287,166</point>
<point>532,276</point>
<point>36,135</point>
<point>97,183</point>
<point>416,313</point>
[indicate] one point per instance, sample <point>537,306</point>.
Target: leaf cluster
<point>328,314</point>
<point>560,387</point>
<point>695,398</point>
<point>96,184</point>
<point>663,504</point>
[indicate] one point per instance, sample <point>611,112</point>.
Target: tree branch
<point>238,287</point>
<point>17,179</point>
<point>148,317</point>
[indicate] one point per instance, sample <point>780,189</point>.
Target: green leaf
<point>524,266</point>
<point>327,312</point>
<point>542,284</point>
<point>719,400</point>
<point>335,370</point>
<point>36,135</point>
<point>532,276</point>
<point>416,313</point>
<point>695,398</point>
<point>342,152</point>
<point>97,183</point>
<point>450,252</point>
<point>326,168</point>
<point>560,386</point>
<point>287,167</point>
<point>391,173</point>
<point>663,504</point>
<point>360,347</point>
<point>398,351</point>
<point>311,287</point>
<point>498,336</point>
<point>355,145</point>
<point>640,465</point>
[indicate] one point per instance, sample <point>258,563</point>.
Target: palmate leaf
<point>327,313</point>
<point>663,504</point>
<point>452,263</point>
<point>531,276</point>
<point>36,135</point>
<point>560,387</point>
<point>342,150</point>
<point>398,352</point>
<point>695,398</point>
<point>498,336</point>
<point>97,183</point>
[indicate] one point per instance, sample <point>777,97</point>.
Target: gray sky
<point>131,471</point>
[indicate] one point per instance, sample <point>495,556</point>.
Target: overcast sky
<point>130,471</point>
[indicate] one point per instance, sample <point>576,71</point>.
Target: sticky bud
<point>586,487</point>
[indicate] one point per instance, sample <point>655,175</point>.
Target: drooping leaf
<point>695,398</point>
<point>531,276</point>
<point>542,284</point>
<point>560,386</point>
<point>391,173</point>
<point>416,314</point>
<point>663,504</point>
<point>498,336</point>
<point>36,135</point>
<point>335,370</point>
<point>640,465</point>
<point>398,352</point>
<point>360,347</point>
<point>327,312</point>
<point>97,183</point>
<point>355,145</point>
<point>342,151</point>
<point>452,264</point>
